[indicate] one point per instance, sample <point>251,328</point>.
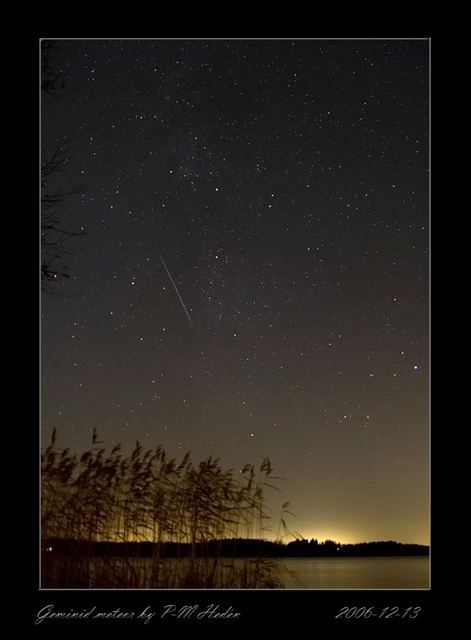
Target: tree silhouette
<point>51,81</point>
<point>54,235</point>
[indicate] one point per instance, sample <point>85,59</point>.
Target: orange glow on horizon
<point>349,537</point>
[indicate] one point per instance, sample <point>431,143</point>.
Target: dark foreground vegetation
<point>146,521</point>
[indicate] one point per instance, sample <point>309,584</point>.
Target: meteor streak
<point>176,290</point>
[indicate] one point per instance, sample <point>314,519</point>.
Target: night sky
<point>254,278</point>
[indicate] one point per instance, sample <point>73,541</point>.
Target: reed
<point>149,498</point>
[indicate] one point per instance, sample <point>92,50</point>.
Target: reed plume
<point>110,521</point>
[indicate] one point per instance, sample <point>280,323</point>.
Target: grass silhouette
<point>149,503</point>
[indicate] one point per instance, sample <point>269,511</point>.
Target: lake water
<point>357,573</point>
<point>295,573</point>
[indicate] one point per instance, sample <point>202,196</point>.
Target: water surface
<point>357,573</point>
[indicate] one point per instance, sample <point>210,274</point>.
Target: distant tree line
<point>303,548</point>
<point>231,548</point>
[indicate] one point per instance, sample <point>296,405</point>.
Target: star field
<point>285,185</point>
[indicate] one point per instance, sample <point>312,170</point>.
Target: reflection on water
<point>357,573</point>
<point>411,572</point>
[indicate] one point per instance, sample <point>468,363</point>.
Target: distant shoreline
<point>230,548</point>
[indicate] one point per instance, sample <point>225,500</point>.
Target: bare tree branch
<point>54,235</point>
